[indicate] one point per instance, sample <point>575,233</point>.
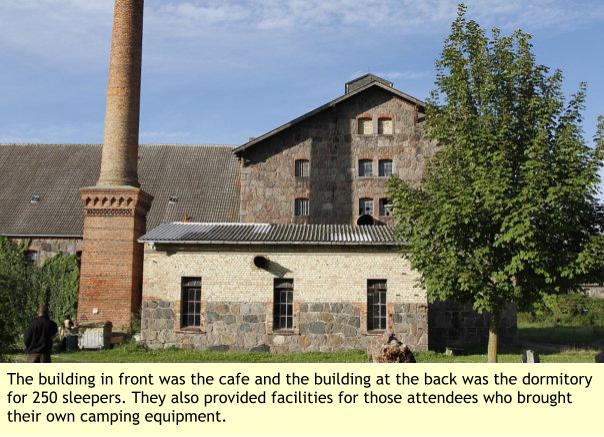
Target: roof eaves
<point>327,105</point>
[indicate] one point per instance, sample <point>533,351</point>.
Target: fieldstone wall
<point>457,325</point>
<point>321,327</point>
<point>331,142</point>
<point>49,247</point>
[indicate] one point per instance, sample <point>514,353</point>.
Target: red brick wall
<point>112,259</point>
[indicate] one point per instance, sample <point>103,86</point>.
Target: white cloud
<point>64,30</point>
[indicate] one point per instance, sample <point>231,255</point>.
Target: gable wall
<point>331,142</point>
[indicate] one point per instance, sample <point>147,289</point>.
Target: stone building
<point>332,164</point>
<point>279,288</point>
<point>301,199</point>
<point>294,197</point>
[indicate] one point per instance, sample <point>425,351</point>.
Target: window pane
<point>283,307</point>
<point>385,126</point>
<point>191,302</point>
<point>302,168</point>
<point>365,206</point>
<point>376,304</point>
<point>365,126</point>
<point>365,168</point>
<point>385,210</point>
<point>301,207</point>
<point>385,168</point>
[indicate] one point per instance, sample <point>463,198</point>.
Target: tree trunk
<point>493,330</point>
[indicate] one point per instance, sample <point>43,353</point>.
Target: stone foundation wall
<point>455,325</point>
<point>320,327</point>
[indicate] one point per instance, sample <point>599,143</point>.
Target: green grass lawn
<point>128,354</point>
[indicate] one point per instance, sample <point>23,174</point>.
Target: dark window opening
<point>385,208</point>
<point>283,304</point>
<point>385,168</point>
<point>173,199</point>
<point>191,303</point>
<point>31,256</point>
<point>365,126</point>
<point>302,168</point>
<point>366,206</point>
<point>301,207</point>
<point>376,304</point>
<point>365,168</point>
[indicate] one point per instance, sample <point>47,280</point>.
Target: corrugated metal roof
<point>203,178</point>
<point>267,233</point>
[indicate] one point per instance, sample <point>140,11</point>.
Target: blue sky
<point>221,71</point>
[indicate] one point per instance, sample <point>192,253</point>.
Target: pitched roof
<point>350,92</point>
<point>266,233</point>
<point>204,178</point>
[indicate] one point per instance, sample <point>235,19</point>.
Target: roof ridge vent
<point>366,79</point>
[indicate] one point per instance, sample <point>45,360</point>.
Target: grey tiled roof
<point>203,177</point>
<point>265,233</point>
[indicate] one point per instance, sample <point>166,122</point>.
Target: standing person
<point>38,337</point>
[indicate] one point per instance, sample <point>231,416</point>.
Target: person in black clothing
<point>38,337</point>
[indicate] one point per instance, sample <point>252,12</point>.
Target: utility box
<point>95,336</point>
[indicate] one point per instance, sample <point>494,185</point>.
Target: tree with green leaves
<point>507,208</point>
<point>24,287</point>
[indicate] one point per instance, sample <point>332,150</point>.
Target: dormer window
<point>173,200</point>
<point>34,199</point>
<point>365,126</point>
<point>302,168</point>
<point>385,126</point>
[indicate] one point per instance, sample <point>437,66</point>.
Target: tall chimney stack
<point>115,209</point>
<point>120,139</point>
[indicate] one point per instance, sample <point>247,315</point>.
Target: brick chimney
<point>115,209</point>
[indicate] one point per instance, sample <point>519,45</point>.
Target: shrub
<point>568,309</point>
<point>23,288</point>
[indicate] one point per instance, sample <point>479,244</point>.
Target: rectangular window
<point>385,126</point>
<point>283,304</point>
<point>366,206</point>
<point>385,208</point>
<point>31,256</point>
<point>302,168</point>
<point>385,168</point>
<point>365,126</point>
<point>190,313</point>
<point>365,168</point>
<point>301,207</point>
<point>376,304</point>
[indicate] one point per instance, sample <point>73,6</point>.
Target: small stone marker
<point>530,356</point>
